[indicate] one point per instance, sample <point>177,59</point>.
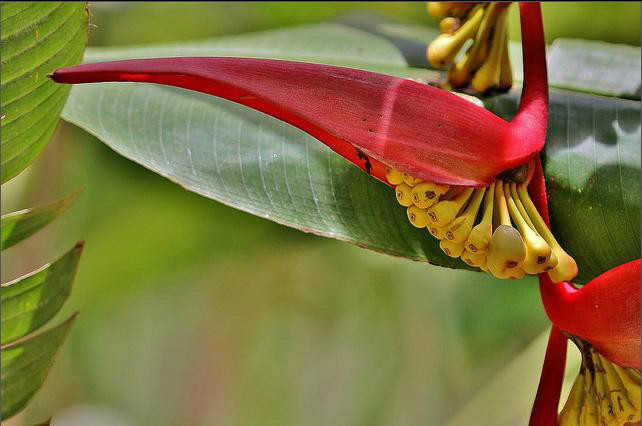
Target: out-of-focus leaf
<point>25,364</point>
<point>508,397</point>
<point>37,38</point>
<point>16,226</point>
<point>311,43</point>
<point>30,301</point>
<point>260,165</point>
<point>592,166</point>
<point>595,67</point>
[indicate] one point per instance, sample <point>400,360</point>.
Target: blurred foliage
<point>194,313</point>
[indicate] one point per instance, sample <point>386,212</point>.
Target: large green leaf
<point>16,226</point>
<point>260,165</point>
<point>30,301</point>
<point>37,38</point>
<point>614,68</point>
<point>25,364</point>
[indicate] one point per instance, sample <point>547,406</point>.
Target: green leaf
<point>30,301</point>
<point>592,165</point>
<point>260,165</point>
<point>16,226</point>
<point>37,38</point>
<point>25,364</point>
<point>614,68</point>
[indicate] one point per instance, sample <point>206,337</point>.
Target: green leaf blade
<point>30,301</point>
<point>36,40</point>
<point>25,364</point>
<point>19,225</point>
<point>614,68</point>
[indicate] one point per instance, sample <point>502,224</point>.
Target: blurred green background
<point>193,313</point>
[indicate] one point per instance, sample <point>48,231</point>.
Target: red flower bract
<point>605,312</point>
<point>371,119</point>
<point>413,127</point>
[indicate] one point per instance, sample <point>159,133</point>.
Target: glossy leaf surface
<point>30,301</point>
<point>25,364</point>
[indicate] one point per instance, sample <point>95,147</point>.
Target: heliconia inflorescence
<point>469,178</point>
<point>447,150</point>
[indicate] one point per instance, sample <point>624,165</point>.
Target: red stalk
<point>529,123</point>
<point>606,311</point>
<point>544,411</point>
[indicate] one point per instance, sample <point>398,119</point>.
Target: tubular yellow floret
<point>480,235</point>
<point>403,194</point>
<point>445,211</point>
<point>460,74</point>
<point>566,268</point>
<point>487,76</point>
<point>538,252</point>
<point>437,232</point>
<point>410,180</point>
<point>417,217</point>
<point>426,194</point>
<point>459,229</point>
<point>507,251</point>
<point>451,249</point>
<point>474,259</point>
<point>486,63</point>
<point>449,25</point>
<point>506,73</point>
<point>395,177</point>
<point>444,48</point>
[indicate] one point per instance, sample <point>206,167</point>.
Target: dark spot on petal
<point>511,264</point>
<point>366,161</point>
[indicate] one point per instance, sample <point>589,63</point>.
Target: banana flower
<point>463,173</point>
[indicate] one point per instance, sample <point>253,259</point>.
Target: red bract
<point>371,119</point>
<point>605,313</point>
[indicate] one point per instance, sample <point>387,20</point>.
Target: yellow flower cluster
<point>497,228</point>
<point>603,394</point>
<point>486,64</point>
